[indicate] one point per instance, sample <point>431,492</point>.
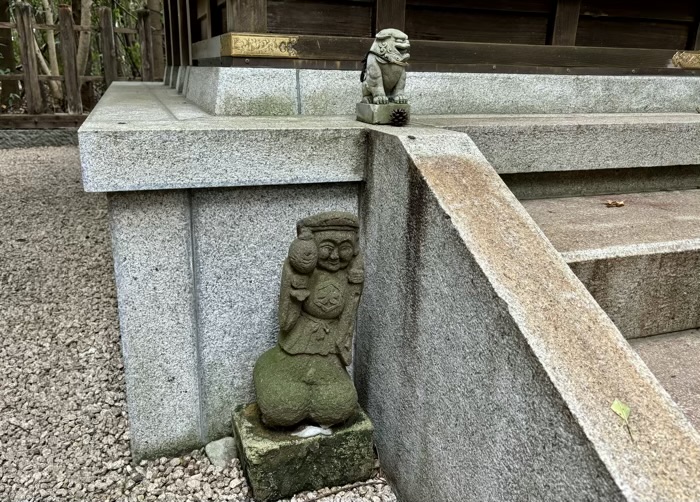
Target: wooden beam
<point>390,14</point>
<point>184,33</point>
<point>71,81</point>
<point>247,16</point>
<point>146,42</point>
<point>694,36</point>
<point>166,32</point>
<point>109,50</point>
<point>209,7</point>
<point>193,27</point>
<point>32,92</point>
<point>174,33</point>
<point>207,49</point>
<point>155,20</point>
<point>566,22</point>
<point>444,52</point>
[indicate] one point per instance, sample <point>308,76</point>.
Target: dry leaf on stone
<point>614,203</point>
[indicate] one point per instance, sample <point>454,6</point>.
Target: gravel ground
<point>63,420</point>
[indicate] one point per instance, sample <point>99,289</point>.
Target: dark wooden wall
<point>640,24</point>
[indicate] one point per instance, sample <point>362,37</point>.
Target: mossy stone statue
<point>303,380</point>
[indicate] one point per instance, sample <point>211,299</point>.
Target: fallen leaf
<point>621,409</point>
<point>615,203</point>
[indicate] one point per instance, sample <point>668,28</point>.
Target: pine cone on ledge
<point>399,117</point>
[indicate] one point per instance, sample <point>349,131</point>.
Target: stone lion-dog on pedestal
<point>384,72</point>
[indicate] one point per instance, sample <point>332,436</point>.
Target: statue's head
<point>335,237</point>
<point>393,45</point>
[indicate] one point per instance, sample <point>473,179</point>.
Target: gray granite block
<point>639,261</point>
<point>152,263</point>
<point>278,465</point>
<point>241,238</point>
<point>602,181</point>
<point>329,92</point>
<point>673,357</point>
<point>202,87</point>
<point>536,143</point>
<point>224,152</point>
<point>383,114</point>
<point>166,76</point>
<point>186,84</point>
<point>487,368</point>
<point>244,91</point>
<point>180,80</point>
<point>173,76</point>
<point>334,92</point>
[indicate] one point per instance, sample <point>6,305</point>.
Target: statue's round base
<point>278,464</point>
<point>390,114</point>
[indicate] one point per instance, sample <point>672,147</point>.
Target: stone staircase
<point>641,263</point>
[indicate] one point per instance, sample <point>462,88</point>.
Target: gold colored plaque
<point>687,59</point>
<point>258,46</point>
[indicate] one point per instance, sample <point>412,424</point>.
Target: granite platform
<point>478,350</point>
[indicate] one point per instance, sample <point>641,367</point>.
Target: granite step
<point>673,358</point>
<point>640,261</point>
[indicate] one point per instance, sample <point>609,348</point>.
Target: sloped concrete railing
<point>487,368</point>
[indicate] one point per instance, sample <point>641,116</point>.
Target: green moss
<point>279,465</point>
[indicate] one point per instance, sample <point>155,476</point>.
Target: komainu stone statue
<point>384,74</point>
<point>383,80</point>
<point>303,380</point>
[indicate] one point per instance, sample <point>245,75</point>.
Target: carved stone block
<point>278,464</point>
<point>391,114</point>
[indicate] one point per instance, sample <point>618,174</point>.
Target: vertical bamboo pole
<point>109,50</point>
<point>70,67</point>
<point>32,92</point>
<point>146,39</point>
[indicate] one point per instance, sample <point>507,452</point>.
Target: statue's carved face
<point>335,249</point>
<point>393,45</point>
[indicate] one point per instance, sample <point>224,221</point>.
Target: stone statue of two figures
<point>303,379</point>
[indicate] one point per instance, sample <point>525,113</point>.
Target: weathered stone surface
<point>387,114</point>
<point>173,76</point>
<point>157,321</point>
<point>166,76</point>
<point>278,465</point>
<point>522,143</point>
<point>497,363</point>
<point>334,92</point>
<point>169,141</point>
<point>384,71</point>
<point>244,91</point>
<point>241,237</point>
<point>673,358</point>
<point>604,182</point>
<point>303,378</point>
<point>221,451</point>
<point>639,261</point>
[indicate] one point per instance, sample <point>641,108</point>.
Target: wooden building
<point>534,36</point>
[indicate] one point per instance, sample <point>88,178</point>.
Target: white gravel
<point>63,420</point>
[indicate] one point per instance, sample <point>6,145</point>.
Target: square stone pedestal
<point>278,465</point>
<point>390,114</point>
